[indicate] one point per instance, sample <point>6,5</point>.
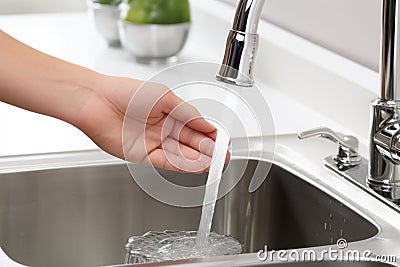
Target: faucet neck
<point>248,16</point>
<point>389,61</point>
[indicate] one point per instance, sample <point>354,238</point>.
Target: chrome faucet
<point>384,163</point>
<point>242,44</point>
<point>383,174</point>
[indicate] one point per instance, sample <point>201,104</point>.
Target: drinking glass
<point>169,245</point>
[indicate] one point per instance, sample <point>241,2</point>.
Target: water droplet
<point>325,226</point>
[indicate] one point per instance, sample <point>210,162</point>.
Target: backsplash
<point>332,24</point>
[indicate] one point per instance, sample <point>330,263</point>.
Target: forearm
<point>40,83</point>
<point>156,119</point>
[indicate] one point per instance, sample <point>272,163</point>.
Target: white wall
<point>40,6</point>
<point>348,27</point>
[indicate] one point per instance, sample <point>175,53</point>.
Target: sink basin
<point>82,216</point>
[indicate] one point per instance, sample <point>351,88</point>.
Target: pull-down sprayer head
<point>241,45</point>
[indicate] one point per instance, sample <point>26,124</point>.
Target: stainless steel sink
<point>80,213</point>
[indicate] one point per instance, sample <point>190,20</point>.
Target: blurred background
<point>41,6</point>
<point>348,27</point>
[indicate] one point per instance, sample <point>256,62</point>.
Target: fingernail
<point>207,146</point>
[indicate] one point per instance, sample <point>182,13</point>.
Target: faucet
<point>383,175</point>
<point>384,163</point>
<point>241,45</point>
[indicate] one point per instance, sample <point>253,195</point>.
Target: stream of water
<point>212,186</point>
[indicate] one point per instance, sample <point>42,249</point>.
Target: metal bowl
<point>153,42</point>
<point>105,18</point>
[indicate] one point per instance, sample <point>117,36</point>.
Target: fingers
<point>195,140</point>
<point>192,138</point>
<point>186,113</point>
<point>177,148</point>
<point>167,160</point>
<point>173,134</point>
<point>190,160</point>
<point>161,150</point>
<point>157,147</point>
<point>176,156</point>
<point>146,140</point>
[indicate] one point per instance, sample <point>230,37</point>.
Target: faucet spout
<point>390,51</point>
<point>241,45</point>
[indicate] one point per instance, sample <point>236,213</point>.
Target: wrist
<point>83,86</point>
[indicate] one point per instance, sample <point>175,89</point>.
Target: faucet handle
<point>348,145</point>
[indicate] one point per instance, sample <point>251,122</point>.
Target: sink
<point>82,215</point>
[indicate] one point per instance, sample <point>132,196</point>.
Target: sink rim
<point>242,260</point>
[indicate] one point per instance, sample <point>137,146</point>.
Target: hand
<point>156,127</point>
<point>151,125</point>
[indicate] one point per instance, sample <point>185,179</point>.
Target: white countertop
<point>72,37</point>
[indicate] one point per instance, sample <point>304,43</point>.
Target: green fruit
<point>108,2</point>
<point>158,11</point>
